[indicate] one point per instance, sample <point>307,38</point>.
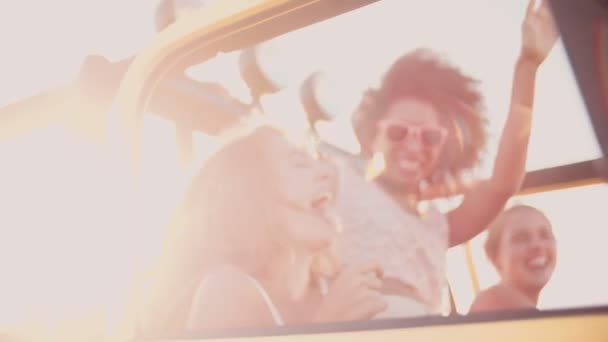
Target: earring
<point>375,166</point>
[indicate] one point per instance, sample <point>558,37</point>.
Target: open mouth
<point>408,162</point>
<point>538,263</point>
<point>322,205</point>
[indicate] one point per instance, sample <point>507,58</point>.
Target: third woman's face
<point>527,252</point>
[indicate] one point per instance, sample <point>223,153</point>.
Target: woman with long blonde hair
<point>256,242</point>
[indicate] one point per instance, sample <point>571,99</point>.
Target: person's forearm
<point>510,163</point>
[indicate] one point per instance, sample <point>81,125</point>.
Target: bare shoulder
<point>227,298</point>
<point>500,297</point>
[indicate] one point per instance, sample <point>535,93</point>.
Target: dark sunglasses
<point>430,135</point>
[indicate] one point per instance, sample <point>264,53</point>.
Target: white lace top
<point>411,248</point>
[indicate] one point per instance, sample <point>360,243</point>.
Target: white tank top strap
<point>274,311</point>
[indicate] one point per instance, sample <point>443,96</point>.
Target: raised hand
<point>353,295</point>
<point>539,32</point>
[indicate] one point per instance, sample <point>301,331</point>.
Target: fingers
<point>539,8</point>
<point>371,281</point>
<point>546,14</point>
<point>544,7</point>
<point>370,267</point>
<point>355,294</point>
<point>530,8</point>
<point>544,11</point>
<point>368,305</point>
<point>355,279</point>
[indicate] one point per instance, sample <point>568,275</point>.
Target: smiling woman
<point>521,246</point>
<point>254,243</point>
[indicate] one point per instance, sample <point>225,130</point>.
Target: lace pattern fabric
<point>411,248</point>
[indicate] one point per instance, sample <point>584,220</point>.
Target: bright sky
<point>45,42</point>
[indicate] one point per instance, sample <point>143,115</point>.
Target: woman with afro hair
<point>422,130</point>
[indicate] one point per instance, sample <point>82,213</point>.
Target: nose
<point>413,142</point>
<point>536,244</point>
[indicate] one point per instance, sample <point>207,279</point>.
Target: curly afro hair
<point>423,75</point>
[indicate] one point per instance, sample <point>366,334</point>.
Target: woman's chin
<point>538,283</point>
<point>408,184</point>
<point>404,179</point>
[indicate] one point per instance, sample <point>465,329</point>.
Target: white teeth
<point>540,261</point>
<point>408,164</point>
